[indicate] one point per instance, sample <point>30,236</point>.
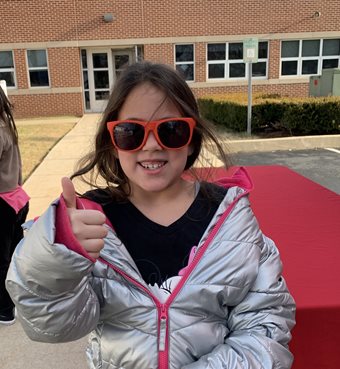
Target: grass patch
<point>36,140</point>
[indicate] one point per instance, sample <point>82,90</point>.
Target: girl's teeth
<point>152,166</point>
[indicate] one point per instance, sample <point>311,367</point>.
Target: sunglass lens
<point>174,134</point>
<point>128,136</point>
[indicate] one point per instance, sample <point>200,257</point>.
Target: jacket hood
<point>236,176</point>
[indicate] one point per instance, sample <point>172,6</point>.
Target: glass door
<point>121,59</point>
<point>100,65</point>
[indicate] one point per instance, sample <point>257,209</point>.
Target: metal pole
<point>249,98</point>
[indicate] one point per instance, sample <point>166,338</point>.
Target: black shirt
<point>161,251</point>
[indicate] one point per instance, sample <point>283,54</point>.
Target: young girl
<point>13,201</point>
<point>164,271</point>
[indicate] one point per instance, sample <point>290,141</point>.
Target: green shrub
<point>296,116</point>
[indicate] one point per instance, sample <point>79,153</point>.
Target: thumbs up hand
<point>87,225</point>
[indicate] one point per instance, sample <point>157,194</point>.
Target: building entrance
<point>101,67</point>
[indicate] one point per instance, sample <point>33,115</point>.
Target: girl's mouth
<point>152,165</point>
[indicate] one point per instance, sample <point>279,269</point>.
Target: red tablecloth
<point>303,218</point>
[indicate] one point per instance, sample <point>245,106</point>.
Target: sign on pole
<point>250,55</point>
<point>250,50</point>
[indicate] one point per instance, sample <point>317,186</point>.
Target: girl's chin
<point>154,185</point>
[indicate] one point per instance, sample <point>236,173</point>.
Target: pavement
<point>43,186</point>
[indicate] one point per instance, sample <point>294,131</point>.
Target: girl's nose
<point>151,143</point>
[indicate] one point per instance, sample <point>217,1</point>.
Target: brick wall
<point>27,21</point>
<point>26,106</point>
<point>52,23</point>
<point>64,67</point>
<point>300,89</point>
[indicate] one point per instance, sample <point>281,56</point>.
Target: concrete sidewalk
<point>16,350</point>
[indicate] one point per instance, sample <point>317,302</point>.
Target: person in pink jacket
<point>13,201</point>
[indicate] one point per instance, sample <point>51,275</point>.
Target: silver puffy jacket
<point>230,310</point>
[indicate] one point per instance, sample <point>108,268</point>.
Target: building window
<point>225,61</point>
<point>184,61</point>
<point>7,71</point>
<point>37,68</point>
<point>309,57</point>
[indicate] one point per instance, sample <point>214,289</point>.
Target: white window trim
<point>227,63</point>
<point>11,70</point>
<point>186,62</point>
<point>38,68</point>
<point>300,59</point>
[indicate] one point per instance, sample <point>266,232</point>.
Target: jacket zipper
<point>162,317</point>
<point>163,321</point>
<point>163,329</point>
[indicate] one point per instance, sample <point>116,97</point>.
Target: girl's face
<point>152,168</point>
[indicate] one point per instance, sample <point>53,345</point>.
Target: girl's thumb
<point>69,193</point>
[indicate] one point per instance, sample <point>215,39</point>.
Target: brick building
<point>62,56</point>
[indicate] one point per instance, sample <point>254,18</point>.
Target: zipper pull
<point>162,329</point>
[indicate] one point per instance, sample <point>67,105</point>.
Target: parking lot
<point>319,165</point>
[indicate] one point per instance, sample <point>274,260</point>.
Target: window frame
<point>10,70</point>
<point>29,69</point>
<point>228,62</point>
<point>300,59</point>
<point>186,62</point>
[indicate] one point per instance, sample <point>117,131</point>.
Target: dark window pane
<point>237,70</point>
<point>84,59</point>
<point>309,67</point>
<point>86,79</point>
<point>6,59</point>
<point>8,77</point>
<point>184,53</point>
<point>289,68</point>
<point>187,71</point>
<point>39,78</point>
<point>100,60</point>
<point>121,61</point>
<point>87,100</point>
<point>263,50</point>
<point>102,95</point>
<point>289,49</point>
<point>331,47</point>
<point>101,79</point>
<point>216,51</point>
<point>236,51</point>
<point>259,69</point>
<point>216,71</point>
<point>37,58</point>
<point>310,48</point>
<point>328,63</point>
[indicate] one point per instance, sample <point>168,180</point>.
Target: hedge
<point>296,116</point>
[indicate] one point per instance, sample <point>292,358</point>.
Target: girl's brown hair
<point>6,115</point>
<point>102,162</point>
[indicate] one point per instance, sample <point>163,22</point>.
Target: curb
<point>283,143</point>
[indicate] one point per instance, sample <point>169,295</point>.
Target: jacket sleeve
<point>51,286</point>
<point>259,327</point>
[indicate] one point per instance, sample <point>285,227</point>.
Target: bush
<point>296,116</point>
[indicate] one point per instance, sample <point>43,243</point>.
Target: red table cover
<point>303,218</point>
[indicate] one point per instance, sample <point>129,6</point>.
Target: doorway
<point>101,67</point>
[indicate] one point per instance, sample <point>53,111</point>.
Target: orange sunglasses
<point>171,134</point>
